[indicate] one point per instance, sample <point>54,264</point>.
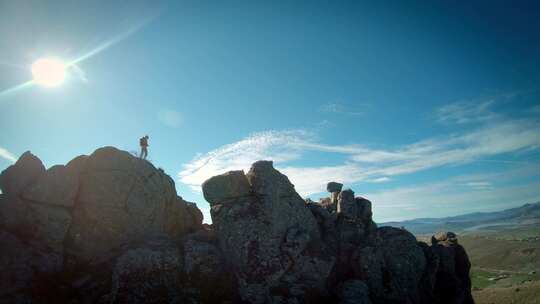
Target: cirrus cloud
<point>361,163</point>
<point>5,154</point>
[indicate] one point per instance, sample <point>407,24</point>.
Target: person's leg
<point>141,154</point>
<point>145,152</point>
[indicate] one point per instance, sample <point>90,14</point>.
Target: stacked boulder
<point>110,228</point>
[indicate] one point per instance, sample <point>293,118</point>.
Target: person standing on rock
<point>143,142</point>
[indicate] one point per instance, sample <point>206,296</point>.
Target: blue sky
<point>426,108</point>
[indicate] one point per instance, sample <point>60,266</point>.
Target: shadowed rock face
<point>57,186</point>
<point>159,260</point>
<point>109,228</point>
<point>79,218</point>
<point>286,250</point>
<point>24,172</point>
<point>452,283</point>
<point>121,200</point>
<point>264,232</point>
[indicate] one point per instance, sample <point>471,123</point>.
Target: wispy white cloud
<point>462,112</point>
<point>272,145</point>
<point>479,185</point>
<point>5,154</point>
<point>504,137</point>
<point>361,163</point>
<point>383,179</point>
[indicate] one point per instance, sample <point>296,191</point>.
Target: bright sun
<point>48,72</point>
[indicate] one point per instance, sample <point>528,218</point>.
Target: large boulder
<point>452,281</point>
<point>286,208</point>
<point>24,172</point>
<point>21,262</point>
<point>182,217</point>
<point>352,207</point>
<point>262,234</point>
<point>57,186</point>
<point>354,224</point>
<point>227,186</point>
<point>393,268</point>
<point>34,222</point>
<point>208,279</point>
<point>122,199</point>
<point>333,187</point>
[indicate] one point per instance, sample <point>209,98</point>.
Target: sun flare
<point>48,72</point>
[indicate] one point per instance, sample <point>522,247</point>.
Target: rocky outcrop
<point>286,250</point>
<point>110,228</point>
<point>452,280</point>
<point>264,231</point>
<point>78,224</point>
<point>121,200</point>
<point>392,267</point>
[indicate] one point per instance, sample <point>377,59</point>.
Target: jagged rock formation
<point>110,228</point>
<point>83,226</point>
<point>264,232</point>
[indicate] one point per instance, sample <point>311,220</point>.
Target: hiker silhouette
<point>143,142</point>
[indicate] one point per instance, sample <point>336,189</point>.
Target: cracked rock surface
<point>110,228</point>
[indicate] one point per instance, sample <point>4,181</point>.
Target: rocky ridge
<point>110,228</point>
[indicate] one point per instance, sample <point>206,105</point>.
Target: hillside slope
<point>526,217</point>
<point>526,293</point>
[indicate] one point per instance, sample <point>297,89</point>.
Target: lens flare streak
<point>73,63</point>
<point>17,88</point>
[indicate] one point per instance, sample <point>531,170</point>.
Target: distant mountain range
<point>527,215</point>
